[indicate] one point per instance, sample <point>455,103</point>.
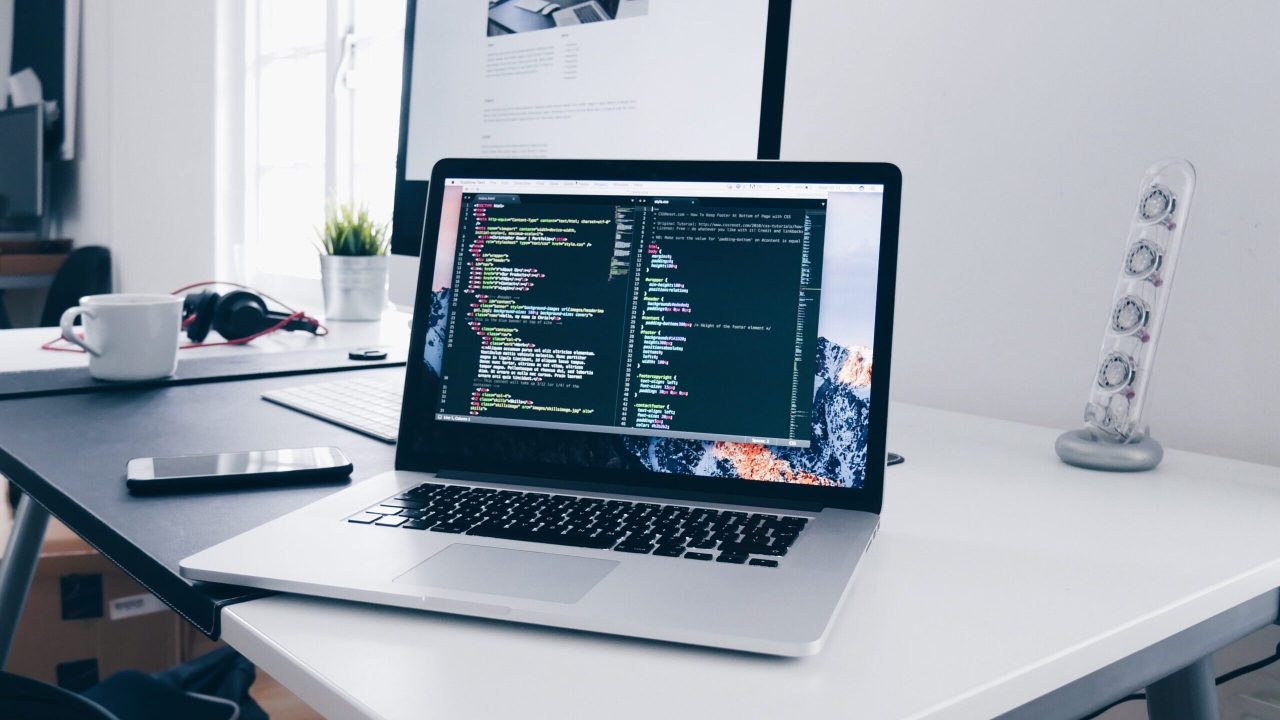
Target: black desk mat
<point>69,452</point>
<point>191,370</point>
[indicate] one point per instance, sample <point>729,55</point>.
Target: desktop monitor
<point>648,79</point>
<point>22,170</point>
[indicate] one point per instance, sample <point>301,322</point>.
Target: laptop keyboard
<point>587,14</point>
<point>694,533</point>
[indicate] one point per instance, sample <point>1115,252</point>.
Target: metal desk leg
<point>17,567</point>
<point>1187,693</point>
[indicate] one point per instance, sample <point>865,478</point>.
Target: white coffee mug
<point>128,336</point>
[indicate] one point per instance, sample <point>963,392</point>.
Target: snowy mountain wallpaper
<point>837,455</point>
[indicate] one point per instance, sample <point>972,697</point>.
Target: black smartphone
<point>255,468</point>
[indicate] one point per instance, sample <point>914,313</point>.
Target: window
<point>322,109</point>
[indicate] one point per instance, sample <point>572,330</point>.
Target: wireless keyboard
<point>370,407</point>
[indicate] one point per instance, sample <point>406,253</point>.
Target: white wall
<point>145,181</point>
<point>6,50</point>
<point>1022,130</point>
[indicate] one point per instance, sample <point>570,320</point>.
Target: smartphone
<point>256,468</point>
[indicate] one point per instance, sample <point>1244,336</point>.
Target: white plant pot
<point>355,286</point>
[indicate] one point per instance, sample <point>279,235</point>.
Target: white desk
<point>20,349</point>
<point>999,575</point>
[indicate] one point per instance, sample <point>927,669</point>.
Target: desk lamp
<point>1114,437</point>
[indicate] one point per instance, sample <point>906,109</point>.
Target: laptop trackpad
<point>513,573</point>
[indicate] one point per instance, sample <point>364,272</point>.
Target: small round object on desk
<point>368,354</point>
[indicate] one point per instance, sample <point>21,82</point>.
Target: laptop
<point>640,401</point>
<point>581,13</point>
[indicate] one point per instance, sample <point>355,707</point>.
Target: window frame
<point>340,47</point>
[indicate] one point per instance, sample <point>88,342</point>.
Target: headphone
<point>238,315</point>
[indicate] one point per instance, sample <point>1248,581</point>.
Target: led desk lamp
<point>1114,437</point>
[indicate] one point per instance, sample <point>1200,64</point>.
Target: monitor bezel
<point>436,459</point>
<point>408,211</point>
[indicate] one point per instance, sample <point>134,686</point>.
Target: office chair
<point>31,699</point>
<point>87,271</point>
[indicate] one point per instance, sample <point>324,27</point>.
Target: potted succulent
<point>353,264</point>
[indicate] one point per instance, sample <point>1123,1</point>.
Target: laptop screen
<point>697,328</point>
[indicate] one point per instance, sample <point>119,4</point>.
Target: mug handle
<point>68,329</point>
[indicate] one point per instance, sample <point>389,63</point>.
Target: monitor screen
<point>640,79</point>
<point>717,329</point>
<point>636,79</point>
<point>21,176</point>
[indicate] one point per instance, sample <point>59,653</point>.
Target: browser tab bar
<point>662,188</point>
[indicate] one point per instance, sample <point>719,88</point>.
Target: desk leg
<point>17,567</point>
<point>1187,693</point>
<point>5,322</point>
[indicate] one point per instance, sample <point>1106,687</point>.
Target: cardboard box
<point>86,619</point>
<point>144,634</point>
<point>192,643</point>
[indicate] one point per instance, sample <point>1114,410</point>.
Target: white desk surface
<point>999,575</point>
<point>20,348</point>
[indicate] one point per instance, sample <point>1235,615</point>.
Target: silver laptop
<point>580,13</point>
<point>642,404</point>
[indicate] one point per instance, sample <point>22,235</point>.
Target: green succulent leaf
<point>349,230</point>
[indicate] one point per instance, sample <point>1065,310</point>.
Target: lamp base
<point>1087,449</point>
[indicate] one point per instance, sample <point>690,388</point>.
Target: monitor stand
<point>402,283</point>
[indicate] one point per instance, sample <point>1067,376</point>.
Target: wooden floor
<point>279,703</point>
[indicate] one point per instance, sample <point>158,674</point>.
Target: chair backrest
<point>29,699</point>
<point>87,271</point>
